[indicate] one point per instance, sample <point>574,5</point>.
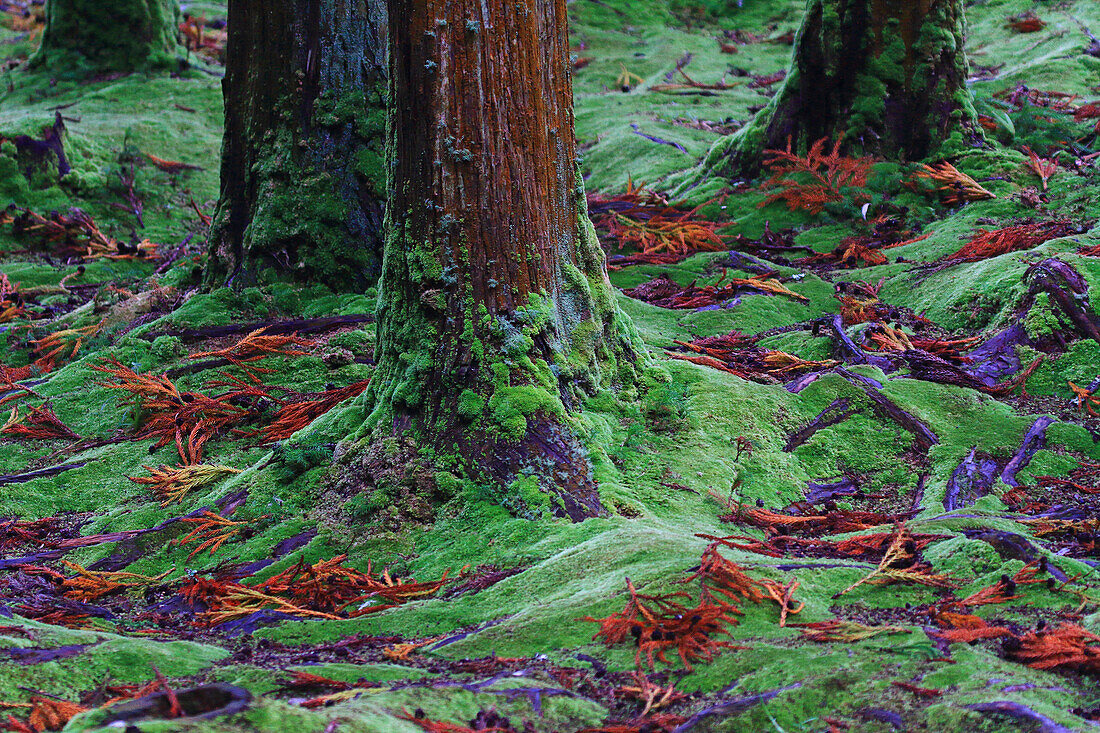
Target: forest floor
<point>910,525</point>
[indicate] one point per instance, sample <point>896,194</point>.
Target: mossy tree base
<point>495,313</point>
<point>889,76</point>
<point>303,182</point>
<point>100,36</point>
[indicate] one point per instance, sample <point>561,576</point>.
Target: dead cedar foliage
<point>326,589</point>
<point>955,187</point>
<point>212,531</point>
<point>1066,646</point>
<point>75,234</point>
<point>174,484</point>
<point>90,585</point>
<point>660,624</point>
<point>294,416</point>
<point>985,244</point>
<point>1045,168</point>
<point>669,623</point>
<point>646,221</point>
<point>255,346</point>
<point>188,419</point>
<point>39,423</point>
<point>662,291</point>
<point>11,300</point>
<point>901,564</point>
<point>809,182</point>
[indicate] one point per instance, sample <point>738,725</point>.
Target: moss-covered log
<point>496,315</point>
<point>303,182</point>
<point>887,75</point>
<point>97,36</point>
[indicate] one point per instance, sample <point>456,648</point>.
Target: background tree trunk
<point>96,36</point>
<point>496,314</point>
<point>888,75</point>
<point>303,179</point>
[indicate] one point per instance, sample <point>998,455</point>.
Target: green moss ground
<point>683,432</point>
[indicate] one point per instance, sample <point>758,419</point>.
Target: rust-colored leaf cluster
<point>188,419</point>
<point>62,346</point>
<point>39,423</point>
<point>1065,646</point>
<point>662,291</point>
<point>1026,22</point>
<point>652,696</point>
<point>809,182</point>
<point>91,585</point>
<point>46,714</point>
<point>213,530</point>
<point>326,589</point>
<point>76,234</point>
<point>747,362</point>
<point>36,532</point>
<point>294,416</point>
<point>901,564</point>
<point>1086,400</point>
<point>11,300</point>
<point>881,337</point>
<point>955,187</point>
<point>171,166</point>
<point>208,42</point>
<point>986,244</point>
<point>660,624</point>
<point>255,346</point>
<point>844,631</point>
<point>859,302</point>
<point>174,484</point>
<point>1042,167</point>
<point>836,522</point>
<point>764,81</point>
<point>1005,589</point>
<point>644,220</point>
<point>679,235</point>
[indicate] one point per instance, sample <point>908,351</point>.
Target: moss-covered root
<point>887,75</point>
<point>84,37</point>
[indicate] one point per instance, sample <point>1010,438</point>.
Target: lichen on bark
<point>889,76</point>
<point>303,157</point>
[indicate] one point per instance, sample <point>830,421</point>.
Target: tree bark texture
<point>887,75</point>
<point>303,175</point>
<point>495,312</point>
<point>98,36</point>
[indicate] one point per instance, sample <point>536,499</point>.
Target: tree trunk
<point>887,75</point>
<point>303,178</point>
<point>495,312</point>
<point>94,36</point>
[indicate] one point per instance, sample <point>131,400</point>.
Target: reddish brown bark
<point>495,310</point>
<point>485,123</point>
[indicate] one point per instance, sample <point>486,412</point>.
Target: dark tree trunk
<point>496,315</point>
<point>96,36</point>
<point>887,75</point>
<point>303,177</point>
